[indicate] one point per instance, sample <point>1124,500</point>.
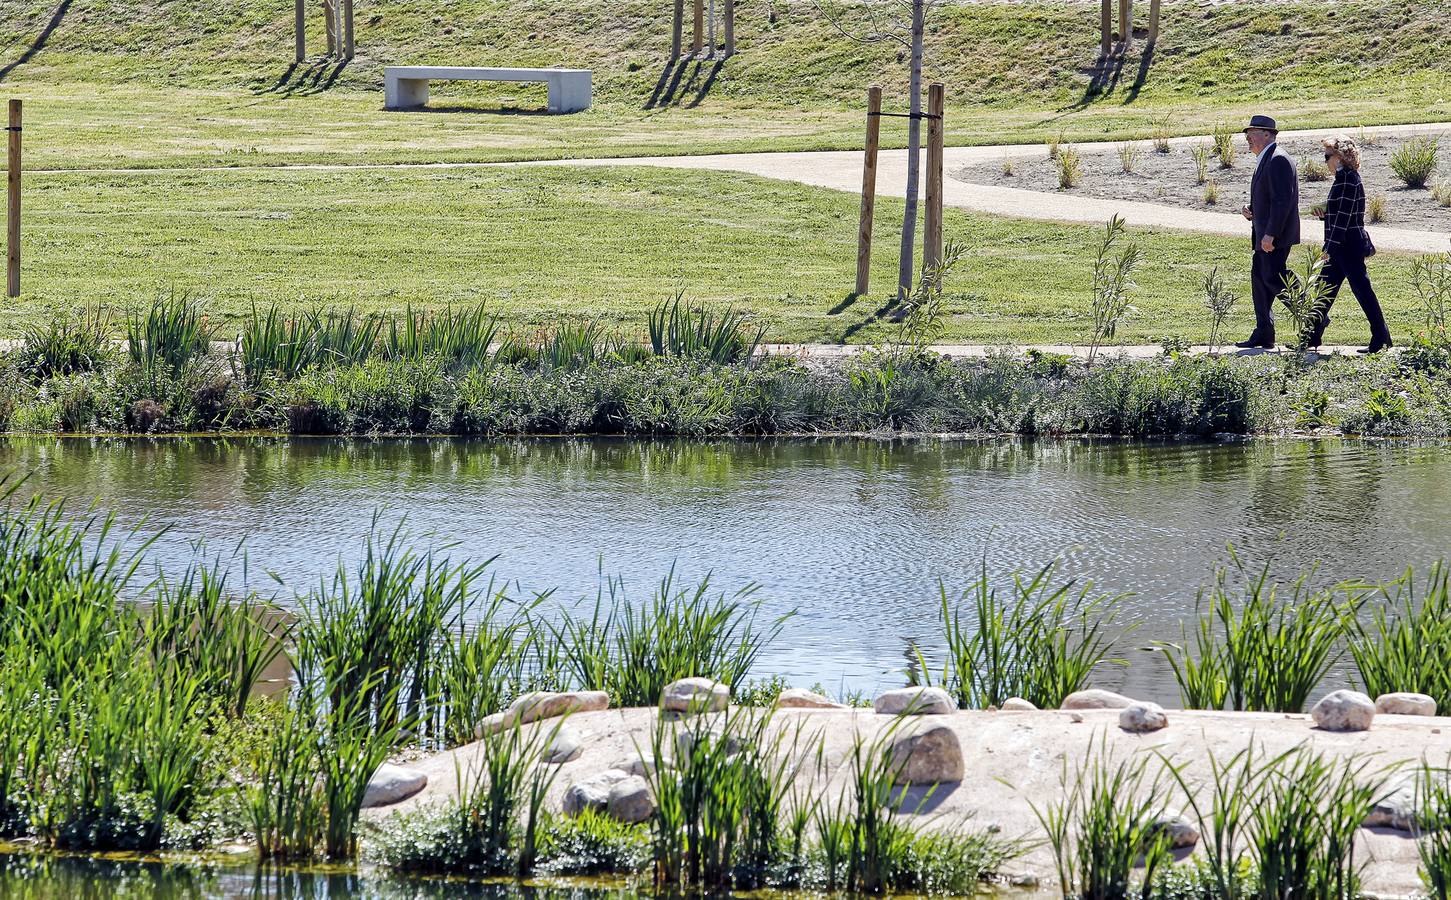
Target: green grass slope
<point>186,81</point>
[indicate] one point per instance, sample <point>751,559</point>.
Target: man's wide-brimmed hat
<point>1263,123</point>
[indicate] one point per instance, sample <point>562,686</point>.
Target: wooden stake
<point>1126,22</point>
<point>932,234</point>
<point>347,29</point>
<point>299,29</point>
<point>869,192</point>
<point>330,21</point>
<point>677,30</point>
<point>1153,22</point>
<point>710,31</point>
<point>699,42</point>
<point>1105,28</point>
<point>730,27</point>
<point>12,207</point>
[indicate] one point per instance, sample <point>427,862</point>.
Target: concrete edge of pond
<point>1011,760</point>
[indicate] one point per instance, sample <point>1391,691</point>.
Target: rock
<point>1398,808</point>
<point>800,698</point>
<point>1405,704</point>
<point>1017,704</point>
<point>630,801</point>
<point>1344,711</point>
<point>393,784</point>
<point>685,741</point>
<point>592,793</point>
<point>1096,699</point>
<point>543,705</point>
<point>641,765</point>
<point>565,746</point>
<point>695,695</point>
<point>930,754</point>
<point>1182,832</point>
<point>915,701</point>
<point>1142,718</point>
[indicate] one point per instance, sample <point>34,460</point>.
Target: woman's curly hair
<point>1344,148</point>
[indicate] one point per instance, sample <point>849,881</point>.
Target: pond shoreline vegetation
<point>132,724</point>
<point>695,372</point>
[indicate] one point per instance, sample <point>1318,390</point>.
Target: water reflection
<point>27,877</point>
<point>856,534</point>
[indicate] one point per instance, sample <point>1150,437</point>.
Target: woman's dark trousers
<point>1350,266</point>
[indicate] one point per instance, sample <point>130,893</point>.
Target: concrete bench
<point>570,90</point>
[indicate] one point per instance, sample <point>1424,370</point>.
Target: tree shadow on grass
<point>883,314</point>
<point>303,79</point>
<point>39,43</point>
<point>685,82</point>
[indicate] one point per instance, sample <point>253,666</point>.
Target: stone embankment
<point>976,769</point>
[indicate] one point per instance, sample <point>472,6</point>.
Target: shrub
<point>1375,209</point>
<point>1163,132</point>
<point>1009,167</point>
<point>1201,164</point>
<point>168,336</point>
<point>70,343</point>
<point>1128,157</point>
<point>1224,136</point>
<point>679,329</point>
<point>1211,192</point>
<point>1070,167</point>
<point>1306,296</point>
<point>1220,301</point>
<point>592,843</point>
<point>1415,161</point>
<point>1312,170</point>
<point>1441,193</point>
<point>1431,277</point>
<point>1113,284</point>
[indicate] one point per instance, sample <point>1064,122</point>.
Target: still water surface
<point>856,535</point>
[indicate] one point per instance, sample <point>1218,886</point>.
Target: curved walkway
<point>842,170</point>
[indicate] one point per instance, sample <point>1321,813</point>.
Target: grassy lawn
<point>540,243</point>
<point>210,82</point>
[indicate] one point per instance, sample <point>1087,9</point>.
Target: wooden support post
<point>1153,22</point>
<point>12,206</point>
<point>677,30</point>
<point>299,30</point>
<point>730,26</point>
<point>710,30</point>
<point>330,23</point>
<point>869,192</point>
<point>1105,28</point>
<point>932,233</point>
<point>698,43</point>
<point>347,29</point>
<point>1126,22</point>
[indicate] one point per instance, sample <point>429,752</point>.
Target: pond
<point>856,535</point>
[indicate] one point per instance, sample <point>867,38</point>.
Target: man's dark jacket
<point>1274,199</point>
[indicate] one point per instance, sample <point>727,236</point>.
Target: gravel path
<point>841,170</point>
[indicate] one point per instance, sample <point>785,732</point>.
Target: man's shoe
<point>1253,344</point>
<point>1373,349</point>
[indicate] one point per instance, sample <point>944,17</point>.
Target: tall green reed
<point>1106,827</point>
<point>633,652</point>
<point>282,794</point>
<point>1433,829</point>
<point>1266,652</point>
<point>68,343</point>
<point>1042,643</point>
<point>460,338</point>
<point>678,328</point>
<point>1405,643</point>
<point>271,342</point>
<point>169,335</point>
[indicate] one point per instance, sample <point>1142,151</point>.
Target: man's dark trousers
<point>1267,277</point>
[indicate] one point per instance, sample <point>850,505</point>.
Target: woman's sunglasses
<point>1329,156</point>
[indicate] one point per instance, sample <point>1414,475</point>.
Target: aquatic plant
<point>1402,644</point>
<point>168,335</point>
<point>68,343</point>
<point>282,795</point>
<point>678,328</point>
<point>459,338</point>
<point>1107,824</point>
<point>1041,643</point>
<point>1265,653</point>
<point>1433,829</point>
<point>633,652</point>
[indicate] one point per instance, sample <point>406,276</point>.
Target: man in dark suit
<point>1274,209</point>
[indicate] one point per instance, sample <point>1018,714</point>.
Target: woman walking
<point>1347,245</point>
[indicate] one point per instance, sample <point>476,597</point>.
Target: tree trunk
<point>914,153</point>
<point>1105,28</point>
<point>677,32</point>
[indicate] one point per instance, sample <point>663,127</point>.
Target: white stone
<point>642,765</point>
<point>1182,832</point>
<point>929,754</point>
<point>695,695</point>
<point>1398,809</point>
<point>591,793</point>
<point>630,801</point>
<point>565,746</point>
<point>1344,711</point>
<point>1095,698</point>
<point>1141,718</point>
<point>801,698</point>
<point>1017,704</point>
<point>540,705</point>
<point>393,784</point>
<point>915,701</point>
<point>1405,704</point>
